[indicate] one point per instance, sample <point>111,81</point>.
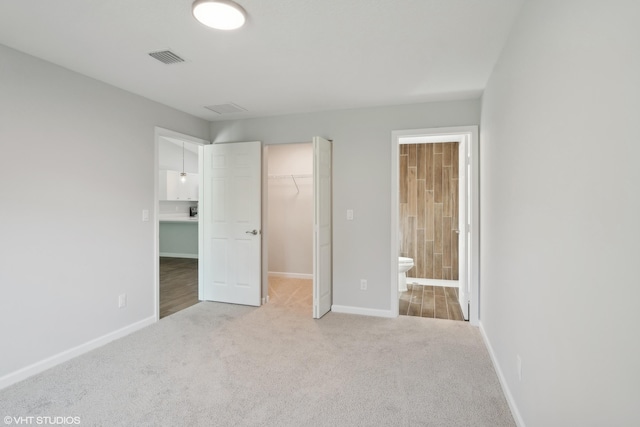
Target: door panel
<point>462,233</point>
<point>230,258</point>
<point>322,253</point>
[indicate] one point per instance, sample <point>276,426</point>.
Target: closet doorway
<point>235,195</point>
<point>289,225</point>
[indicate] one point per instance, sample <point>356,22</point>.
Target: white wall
<point>560,206</point>
<point>170,156</point>
<point>290,217</point>
<point>362,181</point>
<point>72,238</point>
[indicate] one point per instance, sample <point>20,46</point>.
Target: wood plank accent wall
<point>429,209</point>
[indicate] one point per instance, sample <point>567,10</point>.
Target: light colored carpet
<point>227,365</point>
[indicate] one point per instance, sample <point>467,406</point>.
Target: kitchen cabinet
<point>172,188</point>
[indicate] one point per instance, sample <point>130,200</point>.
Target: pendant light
<point>183,175</point>
<point>219,14</point>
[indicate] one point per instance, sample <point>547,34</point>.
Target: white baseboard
<point>362,311</point>
<point>291,275</point>
<point>434,282</point>
<point>177,255</point>
<point>59,358</point>
<point>505,388</point>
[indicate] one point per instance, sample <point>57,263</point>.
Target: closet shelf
<point>289,176</point>
<point>292,177</point>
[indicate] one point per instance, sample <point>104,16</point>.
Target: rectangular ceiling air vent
<point>166,57</point>
<point>225,108</point>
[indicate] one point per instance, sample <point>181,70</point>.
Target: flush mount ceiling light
<point>219,14</point>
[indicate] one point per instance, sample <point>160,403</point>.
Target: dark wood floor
<point>178,284</point>
<point>430,301</point>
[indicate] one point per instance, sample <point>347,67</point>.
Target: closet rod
<point>289,176</point>
<point>293,177</point>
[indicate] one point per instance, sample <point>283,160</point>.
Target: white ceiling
<point>292,56</point>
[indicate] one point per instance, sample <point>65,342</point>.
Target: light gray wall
<point>290,218</point>
<point>361,181</point>
<point>72,238</point>
<point>560,205</point>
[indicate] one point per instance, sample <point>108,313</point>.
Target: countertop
<point>178,218</point>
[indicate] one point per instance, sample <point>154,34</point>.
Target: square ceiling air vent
<point>226,108</point>
<point>166,57</point>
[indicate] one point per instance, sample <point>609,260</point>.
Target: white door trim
<point>473,260</point>
<point>160,133</point>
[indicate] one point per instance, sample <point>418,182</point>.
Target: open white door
<point>322,229</point>
<point>463,230</point>
<point>230,222</point>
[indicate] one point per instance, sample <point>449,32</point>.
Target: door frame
<point>160,132</point>
<point>470,133</point>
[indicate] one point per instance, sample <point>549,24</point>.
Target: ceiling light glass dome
<point>219,14</point>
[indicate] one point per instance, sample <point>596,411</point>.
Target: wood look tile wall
<point>429,209</point>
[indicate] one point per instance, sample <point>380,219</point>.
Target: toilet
<point>404,265</point>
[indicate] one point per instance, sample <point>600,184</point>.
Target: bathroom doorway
<point>429,218</point>
<point>434,210</point>
<point>289,225</point>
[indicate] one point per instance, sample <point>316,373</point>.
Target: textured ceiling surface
<point>292,56</point>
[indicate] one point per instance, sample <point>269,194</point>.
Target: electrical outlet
<point>519,367</point>
<point>145,215</point>
<point>122,300</point>
<point>349,214</point>
<point>363,284</point>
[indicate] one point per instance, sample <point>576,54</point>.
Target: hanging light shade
<point>183,174</point>
<point>219,14</point>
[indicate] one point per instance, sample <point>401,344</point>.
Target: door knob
<point>457,231</point>
<point>254,232</point>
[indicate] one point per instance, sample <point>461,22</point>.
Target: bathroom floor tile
<point>428,304</point>
<point>403,307</point>
<point>455,312</point>
<point>430,301</point>
<point>441,307</point>
<point>415,309</point>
